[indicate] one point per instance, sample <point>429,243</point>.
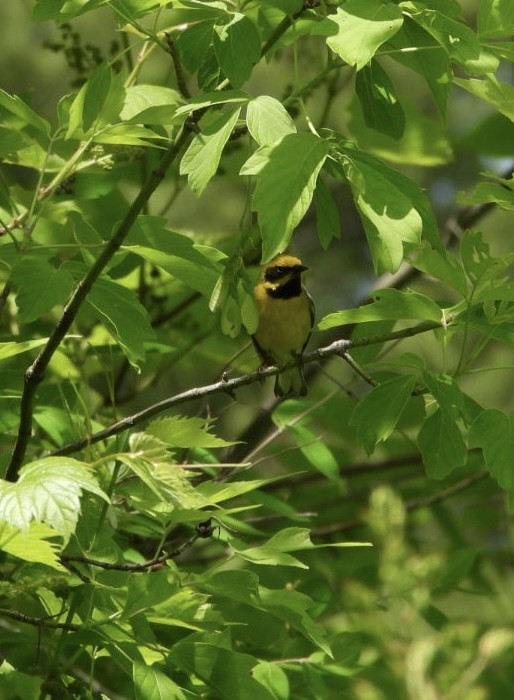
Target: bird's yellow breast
<point>284,324</point>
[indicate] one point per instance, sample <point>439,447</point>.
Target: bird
<point>286,317</point>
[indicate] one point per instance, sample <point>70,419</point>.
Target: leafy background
<point>166,529</point>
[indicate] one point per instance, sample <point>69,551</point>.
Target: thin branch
<point>228,386</point>
<point>39,621</point>
<point>203,530</point>
<point>284,25</point>
<point>179,73</point>
<point>36,372</point>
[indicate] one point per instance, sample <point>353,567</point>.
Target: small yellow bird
<point>286,316</point>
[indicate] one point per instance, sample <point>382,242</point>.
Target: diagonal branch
<point>36,372</point>
<point>228,386</point>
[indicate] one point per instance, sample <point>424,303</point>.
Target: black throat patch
<point>292,288</point>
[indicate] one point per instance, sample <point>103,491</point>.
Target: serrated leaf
<point>200,161</point>
<point>41,286</point>
<point>22,113</point>
<point>31,545</point>
<point>48,491</point>
<point>390,304</point>
<point>185,432</point>
<point>152,684</point>
<point>493,432</point>
<point>373,422</point>
<point>285,187</point>
<point>380,106</point>
<point>441,445</point>
<point>123,317</point>
<point>357,30</point>
<point>237,47</point>
<point>268,120</point>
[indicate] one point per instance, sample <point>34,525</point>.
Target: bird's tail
<point>291,383</point>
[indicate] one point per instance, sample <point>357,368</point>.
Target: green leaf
<point>327,214</point>
<point>11,349</point>
<point>237,47</point>
<point>285,187</point>
<point>150,104</point>
<point>273,679</point>
<point>215,492</point>
<point>227,673</point>
<point>98,102</point>
<point>376,415</point>
<point>193,44</point>
<point>446,392</point>
<point>316,452</point>
<point>357,29</point>
<point>442,265</point>
<point>174,252</point>
<point>460,42</point>
<point>500,95</point>
<point>391,304</point>
<point>22,113</point>
<point>123,316</point>
<point>489,192</point>
<point>31,545</point>
<point>268,120</point>
<point>441,445</point>
<point>200,161</point>
<point>209,99</point>
<point>493,433</point>
<point>416,49</point>
<point>179,431</point>
<point>48,491</point>
<point>495,18</point>
<point>393,208</point>
<point>152,684</point>
<point>41,286</point>
<point>380,106</point>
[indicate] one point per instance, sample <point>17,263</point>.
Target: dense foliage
<point>166,530</point>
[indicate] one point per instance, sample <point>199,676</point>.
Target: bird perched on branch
<point>286,316</point>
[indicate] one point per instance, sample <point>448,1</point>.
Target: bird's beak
<point>300,268</point>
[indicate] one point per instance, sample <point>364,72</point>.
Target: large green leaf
<point>284,189</point>
<point>495,18</point>
<point>152,684</point>
<point>48,491</point>
<point>327,214</point>
<point>373,421</point>
<point>268,120</point>
<point>237,47</point>
<point>185,432</point>
<point>120,311</point>
<point>390,304</point>
<point>150,104</point>
<point>357,29</point>
<point>227,673</point>
<point>493,433</point>
<point>40,286</point>
<point>20,114</point>
<point>393,208</point>
<point>491,90</point>
<point>380,106</point>
<point>441,444</point>
<point>174,252</point>
<point>31,545</point>
<point>460,42</point>
<point>11,349</point>
<point>200,161</point>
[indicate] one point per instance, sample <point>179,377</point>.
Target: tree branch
<point>228,386</point>
<point>36,372</point>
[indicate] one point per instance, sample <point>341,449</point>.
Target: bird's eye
<point>277,272</point>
